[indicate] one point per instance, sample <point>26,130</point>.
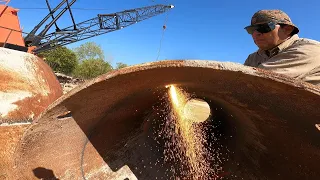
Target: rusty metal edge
<point>209,64</point>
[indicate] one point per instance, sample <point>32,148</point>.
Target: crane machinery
<point>103,23</point>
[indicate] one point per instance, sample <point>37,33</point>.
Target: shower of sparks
<point>186,144</point>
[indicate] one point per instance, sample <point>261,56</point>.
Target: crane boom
<point>101,24</point>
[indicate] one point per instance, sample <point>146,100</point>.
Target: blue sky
<point>202,29</point>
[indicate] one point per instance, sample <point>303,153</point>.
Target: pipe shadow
<point>45,174</point>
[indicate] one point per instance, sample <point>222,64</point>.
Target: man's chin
<point>262,47</point>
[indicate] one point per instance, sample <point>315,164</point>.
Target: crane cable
<point>162,35</point>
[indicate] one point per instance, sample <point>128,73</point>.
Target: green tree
<point>89,50</point>
<point>92,68</point>
<point>60,59</point>
<point>92,61</point>
<point>120,65</point>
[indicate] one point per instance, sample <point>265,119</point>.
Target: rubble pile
<point>67,82</point>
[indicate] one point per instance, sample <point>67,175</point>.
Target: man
<point>280,48</point>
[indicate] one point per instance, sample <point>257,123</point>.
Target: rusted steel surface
<point>267,124</point>
<point>27,86</point>
<point>10,136</point>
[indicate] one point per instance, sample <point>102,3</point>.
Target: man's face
<point>269,40</point>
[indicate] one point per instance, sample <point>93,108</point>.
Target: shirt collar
<point>274,51</point>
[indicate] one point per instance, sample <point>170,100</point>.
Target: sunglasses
<point>261,28</point>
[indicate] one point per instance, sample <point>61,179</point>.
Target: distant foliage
<point>92,62</point>
<point>60,59</point>
<point>89,50</point>
<point>120,65</point>
<point>92,68</point>
<point>86,61</point>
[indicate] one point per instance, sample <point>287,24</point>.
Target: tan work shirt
<point>296,57</point>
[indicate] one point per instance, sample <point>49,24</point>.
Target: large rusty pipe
<point>107,128</point>
<point>27,87</point>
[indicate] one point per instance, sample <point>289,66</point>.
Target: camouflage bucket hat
<point>276,16</point>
